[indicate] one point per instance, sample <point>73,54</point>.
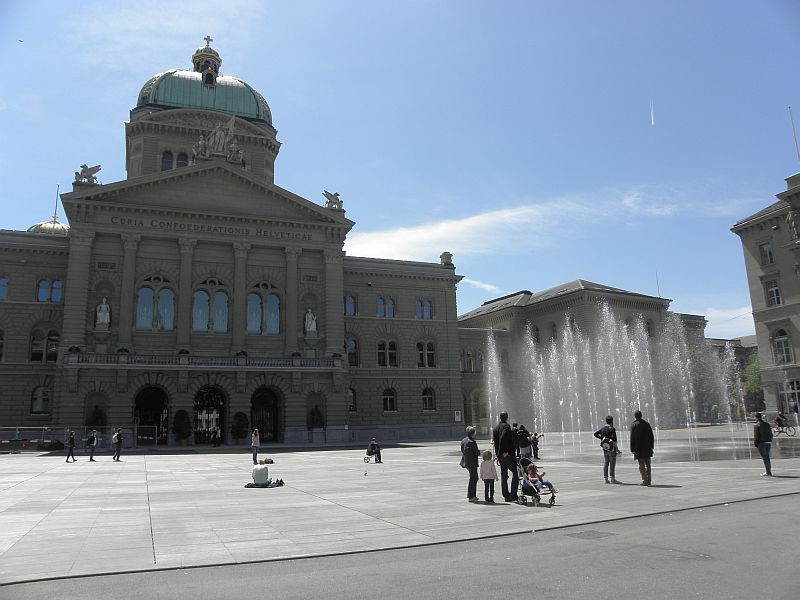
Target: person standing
<point>762,438</point>
<point>524,442</point>
<point>505,450</point>
<point>116,439</point>
<point>469,460</point>
<point>214,437</point>
<point>374,449</point>
<point>255,444</point>
<point>608,442</point>
<point>489,475</point>
<point>71,446</point>
<point>642,442</point>
<point>535,445</point>
<point>91,442</point>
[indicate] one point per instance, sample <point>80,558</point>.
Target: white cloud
<point>499,231</point>
<point>729,322</point>
<point>480,285</point>
<point>638,203</point>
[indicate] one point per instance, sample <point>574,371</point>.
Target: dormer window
<point>208,79</point>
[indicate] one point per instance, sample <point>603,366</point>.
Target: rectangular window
<point>765,251</point>
<point>790,396</point>
<point>773,293</point>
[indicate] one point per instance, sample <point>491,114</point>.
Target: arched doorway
<point>209,413</point>
<point>264,413</point>
<point>151,415</point>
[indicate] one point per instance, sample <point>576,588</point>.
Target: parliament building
<point>197,284</point>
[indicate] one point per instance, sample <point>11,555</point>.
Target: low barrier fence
<point>43,439</point>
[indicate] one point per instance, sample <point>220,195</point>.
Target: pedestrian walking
<point>505,450</point>
<point>214,437</point>
<point>71,446</point>
<point>255,444</point>
<point>374,449</point>
<point>91,443</point>
<point>608,442</point>
<point>469,461</point>
<point>535,444</point>
<point>489,476</point>
<point>116,440</point>
<point>762,438</point>
<point>642,442</point>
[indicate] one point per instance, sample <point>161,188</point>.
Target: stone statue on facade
<point>332,200</point>
<point>200,149</point>
<point>310,322</point>
<point>87,174</point>
<point>235,155</point>
<point>218,139</point>
<point>793,221</point>
<point>103,315</point>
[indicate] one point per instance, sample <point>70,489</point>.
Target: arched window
<point>40,401</point>
<point>470,363</point>
<point>349,306</point>
<point>426,354</point>
<point>782,346</point>
<point>381,307</point>
<point>389,400</point>
<point>44,345</point>
<point>423,309</point>
<point>387,354</point>
<point>351,348</point>
<point>480,362</point>
<point>210,307</point>
<point>352,400</point>
<point>428,399</point>
<point>166,161</point>
<point>155,305</point>
<point>3,288</point>
<point>390,307</point>
<point>183,160</point>
<point>47,291</point>
<point>263,310</point>
<point>461,361</point>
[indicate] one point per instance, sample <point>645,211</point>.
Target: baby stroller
<point>527,489</point>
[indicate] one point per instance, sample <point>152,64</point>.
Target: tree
<point>753,388</point>
<point>181,426</point>
<point>240,427</point>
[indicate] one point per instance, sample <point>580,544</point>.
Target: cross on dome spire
<point>208,40</point>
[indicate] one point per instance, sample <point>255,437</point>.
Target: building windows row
<point>210,308</point>
<point>169,161</point>
<point>263,311</point>
<point>155,306</point>
<point>390,400</point>
<point>44,345</point>
<point>386,307</point>
<point>387,353</point>
<point>49,291</point>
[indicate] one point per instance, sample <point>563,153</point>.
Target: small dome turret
<point>51,227</point>
<point>207,62</point>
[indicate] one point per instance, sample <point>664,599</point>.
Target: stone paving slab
<point>174,510</point>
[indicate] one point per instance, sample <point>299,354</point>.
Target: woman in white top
<point>255,442</point>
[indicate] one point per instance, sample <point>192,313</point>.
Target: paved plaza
<point>181,510</point>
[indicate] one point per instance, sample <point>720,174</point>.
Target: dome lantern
<point>207,62</point>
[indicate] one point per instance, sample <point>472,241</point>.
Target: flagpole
<point>794,134</point>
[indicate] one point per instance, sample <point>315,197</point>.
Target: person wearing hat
<point>374,450</point>
<point>91,443</point>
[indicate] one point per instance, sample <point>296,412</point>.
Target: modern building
<point>771,247</point>
<point>199,285</point>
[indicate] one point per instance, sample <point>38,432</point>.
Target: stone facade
<point>227,294</point>
<point>771,248</point>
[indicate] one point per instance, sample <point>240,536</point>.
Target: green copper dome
<point>205,89</point>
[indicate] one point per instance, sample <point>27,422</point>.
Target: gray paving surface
<point>171,510</point>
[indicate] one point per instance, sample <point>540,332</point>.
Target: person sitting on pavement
<point>261,476</point>
<point>374,450</point>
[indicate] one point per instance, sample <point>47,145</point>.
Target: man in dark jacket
<point>762,438</point>
<point>505,450</point>
<point>469,460</point>
<point>642,442</point>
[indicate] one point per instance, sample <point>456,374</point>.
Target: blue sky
<point>516,135</point>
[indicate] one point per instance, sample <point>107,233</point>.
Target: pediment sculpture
<point>87,175</point>
<point>332,200</point>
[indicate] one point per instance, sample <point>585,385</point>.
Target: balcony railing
<point>205,362</point>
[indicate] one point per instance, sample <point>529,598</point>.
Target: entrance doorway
<point>264,413</point>
<point>151,415</point>
<point>209,414</point>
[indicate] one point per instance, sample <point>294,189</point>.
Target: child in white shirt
<point>488,474</point>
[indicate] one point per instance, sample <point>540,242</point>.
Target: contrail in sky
<point>652,114</point>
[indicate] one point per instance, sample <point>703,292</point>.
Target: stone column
<point>239,299</point>
<point>334,294</point>
<point>77,292</point>
<point>185,292</point>
<point>291,300</point>
<point>130,243</point>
